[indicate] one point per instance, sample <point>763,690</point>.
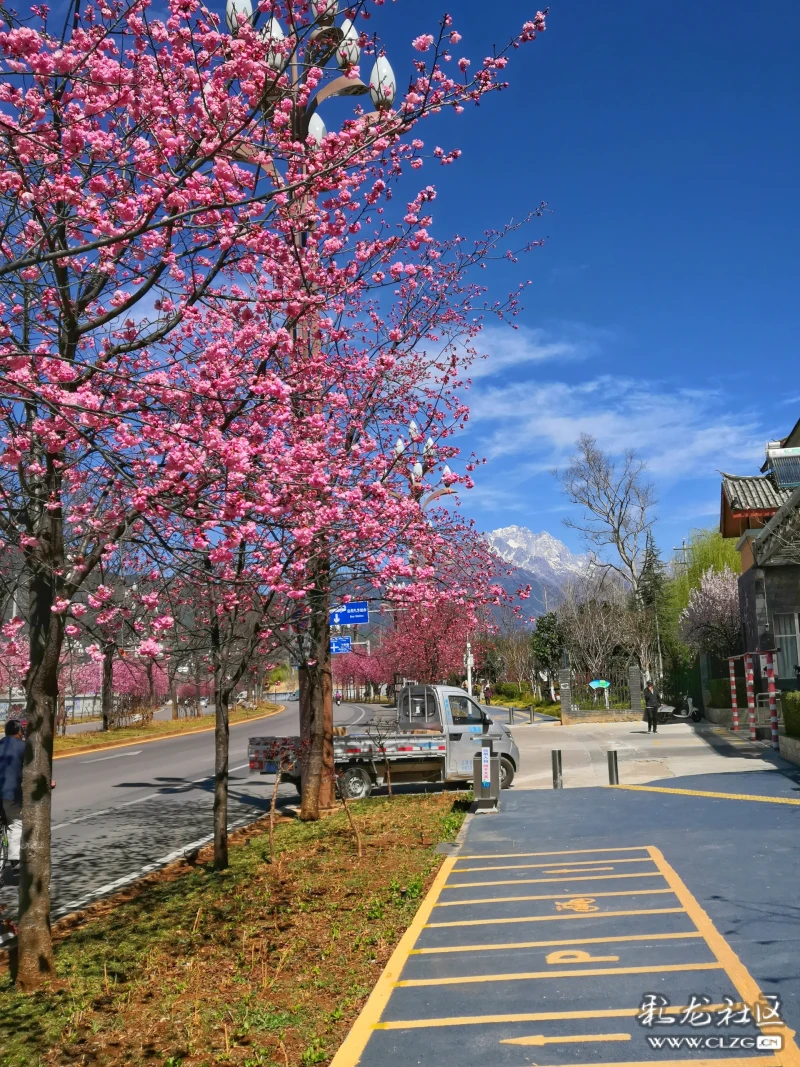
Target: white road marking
<point>140,800</point>
<point>117,755</point>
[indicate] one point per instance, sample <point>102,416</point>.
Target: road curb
<point>167,737</point>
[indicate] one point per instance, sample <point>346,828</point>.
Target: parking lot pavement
<point>678,749</point>
<point>589,926</point>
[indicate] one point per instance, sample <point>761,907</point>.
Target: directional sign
<point>600,683</point>
<point>339,645</point>
<point>348,614</point>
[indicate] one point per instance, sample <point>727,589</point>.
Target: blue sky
<point>663,313</point>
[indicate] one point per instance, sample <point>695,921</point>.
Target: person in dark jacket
<point>12,749</point>
<point>651,706</point>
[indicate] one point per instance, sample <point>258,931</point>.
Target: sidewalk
<point>557,919</point>
<point>678,749</point>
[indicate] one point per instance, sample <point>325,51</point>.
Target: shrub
<point>511,691</point>
<point>790,703</point>
<point>719,690</point>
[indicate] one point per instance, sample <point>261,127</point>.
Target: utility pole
<point>682,551</point>
<point>469,663</point>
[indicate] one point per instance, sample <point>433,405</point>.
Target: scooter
<point>685,711</point>
<point>338,700</point>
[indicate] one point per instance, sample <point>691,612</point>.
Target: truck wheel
<point>356,783</point>
<point>506,772</point>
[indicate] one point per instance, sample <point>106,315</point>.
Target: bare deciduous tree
<point>617,504</point>
<point>592,617</point>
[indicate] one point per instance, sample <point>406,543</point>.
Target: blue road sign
<point>339,645</point>
<point>348,614</point>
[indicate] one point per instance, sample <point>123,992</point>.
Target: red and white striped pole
<point>751,699</point>
<point>734,702</point>
<point>773,703</point>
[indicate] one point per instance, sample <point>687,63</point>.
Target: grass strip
<point>156,728</point>
<point>265,963</point>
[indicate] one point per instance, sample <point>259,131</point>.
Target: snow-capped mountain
<point>541,560</point>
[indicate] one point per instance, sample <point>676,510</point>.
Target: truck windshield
<point>418,709</point>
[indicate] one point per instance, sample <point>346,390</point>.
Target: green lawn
<point>156,728</point>
<point>261,964</point>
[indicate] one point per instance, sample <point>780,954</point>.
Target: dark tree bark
<point>221,736</point>
<point>35,951</point>
<point>316,705</point>
<point>107,690</point>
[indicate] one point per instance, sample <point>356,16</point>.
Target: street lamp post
<point>469,663</point>
<point>331,48</point>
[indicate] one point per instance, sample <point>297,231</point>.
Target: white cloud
<point>506,347</point>
<point>682,433</point>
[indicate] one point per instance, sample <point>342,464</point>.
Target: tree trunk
<point>151,689</point>
<point>173,693</point>
<point>107,691</point>
<point>34,946</point>
<point>222,692</point>
<point>221,732</point>
<point>316,706</point>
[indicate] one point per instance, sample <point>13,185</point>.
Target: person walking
<point>12,749</point>
<point>651,706</point>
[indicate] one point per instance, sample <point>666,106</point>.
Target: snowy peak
<point>541,554</point>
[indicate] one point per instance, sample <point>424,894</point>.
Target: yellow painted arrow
<point>540,1039</point>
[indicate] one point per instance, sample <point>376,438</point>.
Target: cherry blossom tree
<point>711,621</point>
<point>184,286</point>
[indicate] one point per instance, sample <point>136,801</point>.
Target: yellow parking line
<point>567,852</point>
<point>526,866</point>
<point>706,793</point>
<point>536,1040</point>
<point>565,878</point>
<point>520,976</point>
<point>535,1017</point>
<point>354,1044</point>
<point>553,944</point>
<point>552,896</point>
<point>746,986</point>
<point>738,1061</point>
<point>561,917</point>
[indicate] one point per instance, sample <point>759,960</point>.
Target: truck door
<point>464,729</point>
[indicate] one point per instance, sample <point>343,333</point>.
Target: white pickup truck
<point>434,737</point>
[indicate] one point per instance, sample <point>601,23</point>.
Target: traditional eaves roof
<point>793,440</point>
<point>779,541</point>
<point>753,493</point>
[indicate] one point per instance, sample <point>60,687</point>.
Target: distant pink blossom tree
<point>711,621</point>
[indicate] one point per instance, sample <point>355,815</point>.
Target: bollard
<point>530,713</point>
<point>558,778</point>
<point>613,767</point>
<point>510,716</point>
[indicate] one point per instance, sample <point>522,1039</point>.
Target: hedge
<point>790,703</point>
<point>719,690</point>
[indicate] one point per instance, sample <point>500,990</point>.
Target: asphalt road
<point>117,812</point>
